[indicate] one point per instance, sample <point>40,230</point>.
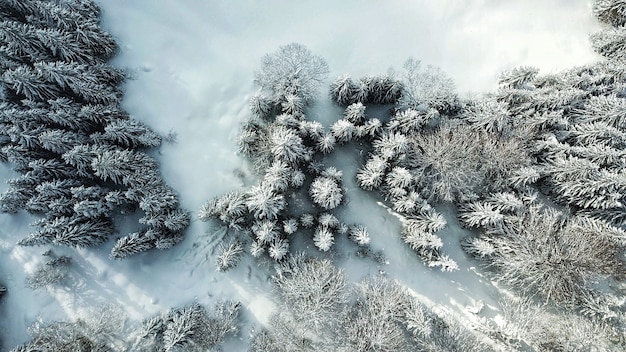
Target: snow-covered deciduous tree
<point>292,70</point>
<point>313,290</point>
<point>326,192</point>
<point>429,86</point>
<point>548,254</point>
<point>374,324</point>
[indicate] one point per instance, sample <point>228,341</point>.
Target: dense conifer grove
<point>81,157</point>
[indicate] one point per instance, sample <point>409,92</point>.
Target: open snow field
<point>192,65</point>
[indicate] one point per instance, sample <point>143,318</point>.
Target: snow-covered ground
<point>192,65</point>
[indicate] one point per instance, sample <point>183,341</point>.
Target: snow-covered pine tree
<point>133,243</point>
<point>264,203</point>
<point>359,235</point>
<point>229,256</point>
<point>519,77</point>
<point>326,192</point>
<point>323,238</point>
<point>343,131</point>
<point>343,90</point>
<point>612,12</point>
<point>278,249</point>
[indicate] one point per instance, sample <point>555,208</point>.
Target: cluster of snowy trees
<point>100,330</point>
<point>297,192</point>
<point>189,328</point>
<point>61,126</point>
<point>324,312</point>
<point>383,89</point>
<point>556,232</point>
<point>535,169</point>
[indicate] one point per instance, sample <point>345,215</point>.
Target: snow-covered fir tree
<point>229,256</point>
<point>326,192</point>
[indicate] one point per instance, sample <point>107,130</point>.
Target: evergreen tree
<point>518,77</point>
<point>612,12</point>
<point>326,192</point>
<point>229,256</point>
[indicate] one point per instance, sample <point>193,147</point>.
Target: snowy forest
<point>378,212</point>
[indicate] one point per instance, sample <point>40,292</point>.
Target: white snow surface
<point>192,65</point>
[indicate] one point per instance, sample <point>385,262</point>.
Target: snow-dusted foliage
<point>526,323</point>
<point>359,235</point>
<point>65,132</point>
<point>612,12</point>
<point>323,311</point>
<point>326,192</point>
<point>428,86</point>
<point>286,151</point>
<point>292,71</point>
<point>313,290</point>
<point>419,157</point>
<point>53,272</point>
<point>542,251</point>
<point>229,256</point>
<point>189,328</point>
<point>519,77</point>
<point>323,238</point>
<point>99,330</point>
<point>384,89</point>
